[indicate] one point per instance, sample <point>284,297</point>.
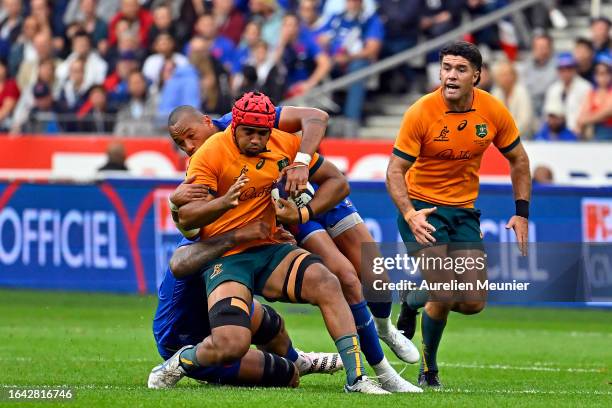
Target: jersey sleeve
<point>507,137</point>
<point>411,133</point>
<point>205,168</point>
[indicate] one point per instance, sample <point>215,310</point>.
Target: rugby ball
<point>278,191</point>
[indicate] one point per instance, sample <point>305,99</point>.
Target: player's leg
<point>301,277</point>
<point>349,235</point>
<point>270,335</point>
<point>321,244</point>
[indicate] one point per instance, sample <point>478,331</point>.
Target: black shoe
<point>429,379</point>
<point>406,322</point>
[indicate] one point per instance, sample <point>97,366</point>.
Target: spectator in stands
<point>9,95</point>
<point>542,175</point>
<point>486,82</point>
<point>164,46</point>
<point>354,39</point>
<point>261,73</point>
<point>600,35</point>
<point>585,56</point>
<point>105,10</point>
<point>539,71</point>
<point>269,15</point>
<point>308,11</point>
<point>127,42</point>
<point>92,24</point>
<point>181,88</point>
<point>43,118</point>
<point>46,74</point>
<point>42,11</point>
<point>116,84</point>
<point>100,118</point>
<point>73,94</point>
<point>596,110</point>
<point>555,128</point>
<point>514,95</point>
<point>115,157</point>
<point>570,90</point>
<point>214,79</point>
<point>229,20</point>
<point>306,63</point>
<point>10,26</point>
<point>95,67</point>
<point>23,49</point>
<point>137,117</point>
<point>222,48</point>
<point>163,22</point>
<point>139,21</point>
<point>250,37</point>
<point>401,21</point>
<point>28,69</point>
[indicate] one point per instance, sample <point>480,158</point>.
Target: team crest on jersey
<point>282,163</point>
<point>443,137</point>
<point>260,164</point>
<point>481,130</point>
<point>217,269</point>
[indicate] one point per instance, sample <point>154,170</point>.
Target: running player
<point>239,167</point>
<point>181,320</point>
<point>341,227</point>
<point>433,179</point>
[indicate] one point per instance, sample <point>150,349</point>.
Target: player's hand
<point>296,178</point>
<point>187,192</point>
<point>283,236</point>
<point>422,230</point>
<point>230,199</point>
<point>253,231</point>
<point>520,225</point>
<point>286,211</point>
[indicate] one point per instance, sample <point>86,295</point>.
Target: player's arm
<point>333,188</point>
<point>200,213</point>
<point>189,259</point>
<point>521,186</point>
<point>313,124</point>
<point>398,190</point>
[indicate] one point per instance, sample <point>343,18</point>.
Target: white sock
<point>384,369</point>
<point>383,325</point>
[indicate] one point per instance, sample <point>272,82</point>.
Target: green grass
<point>101,345</point>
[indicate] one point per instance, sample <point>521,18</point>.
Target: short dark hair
<point>463,49</point>
<point>466,50</point>
<point>178,112</point>
<point>584,41</point>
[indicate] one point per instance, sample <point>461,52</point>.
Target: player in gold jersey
<point>433,180</point>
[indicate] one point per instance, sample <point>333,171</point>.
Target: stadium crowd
<point>121,66</point>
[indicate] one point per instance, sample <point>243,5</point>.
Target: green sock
<point>352,358</point>
<point>416,299</point>
<point>431,331</point>
<point>188,359</point>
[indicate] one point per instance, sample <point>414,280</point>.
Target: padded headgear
<point>253,109</point>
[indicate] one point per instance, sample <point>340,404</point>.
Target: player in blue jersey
<point>181,320</point>
<point>336,235</point>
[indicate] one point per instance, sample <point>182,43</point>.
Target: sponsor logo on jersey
<point>481,130</point>
<point>217,270</point>
<point>443,137</point>
<point>252,192</point>
<point>450,154</point>
<point>462,125</point>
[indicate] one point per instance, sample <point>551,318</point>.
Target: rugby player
<point>181,319</point>
<point>239,166</point>
<point>340,227</point>
<point>433,180</point>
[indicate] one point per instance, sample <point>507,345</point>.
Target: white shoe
<point>167,374</point>
<point>365,386</point>
<point>395,383</point>
<point>318,363</point>
<point>403,348</point>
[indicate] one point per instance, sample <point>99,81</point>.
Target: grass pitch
<point>102,347</point>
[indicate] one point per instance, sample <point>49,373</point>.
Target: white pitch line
<point>518,368</point>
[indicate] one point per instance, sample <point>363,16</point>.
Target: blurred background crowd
<point>120,66</point>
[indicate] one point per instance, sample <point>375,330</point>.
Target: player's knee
<point>351,286</point>
<point>231,343</point>
<point>271,325</point>
<point>328,285</point>
<point>470,308</point>
<point>230,346</point>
